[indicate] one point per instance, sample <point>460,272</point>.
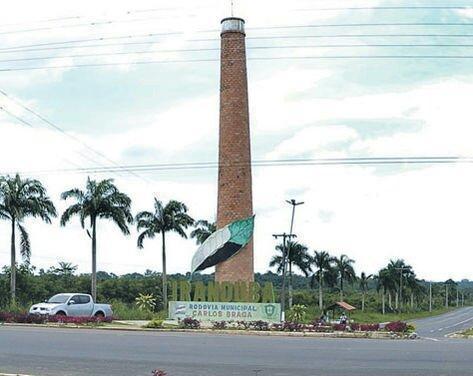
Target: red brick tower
<point>234,176</point>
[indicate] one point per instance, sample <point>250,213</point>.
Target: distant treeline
<point>35,285</point>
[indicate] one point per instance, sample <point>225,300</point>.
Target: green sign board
<point>211,311</point>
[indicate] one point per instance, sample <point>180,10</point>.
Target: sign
<point>210,311</point>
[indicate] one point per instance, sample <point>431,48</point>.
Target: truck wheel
<point>99,315</point>
<point>61,313</point>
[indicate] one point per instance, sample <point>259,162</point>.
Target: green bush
<point>297,313</point>
<point>154,324</point>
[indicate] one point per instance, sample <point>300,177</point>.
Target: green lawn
<point>376,317</point>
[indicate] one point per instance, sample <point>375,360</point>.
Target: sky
<point>308,108</point>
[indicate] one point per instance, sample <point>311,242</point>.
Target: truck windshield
<point>60,298</point>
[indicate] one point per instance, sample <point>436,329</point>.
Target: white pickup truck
<point>74,305</point>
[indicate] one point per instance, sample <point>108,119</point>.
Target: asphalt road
<point>439,326</point>
<point>44,351</point>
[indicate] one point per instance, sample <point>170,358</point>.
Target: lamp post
<point>294,203</point>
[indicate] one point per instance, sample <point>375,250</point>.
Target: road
<point>439,326</point>
<point>54,352</point>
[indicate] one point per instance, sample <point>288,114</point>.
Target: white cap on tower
<point>233,25</point>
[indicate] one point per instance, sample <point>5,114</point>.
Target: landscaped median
<point>392,330</point>
<point>467,334</point>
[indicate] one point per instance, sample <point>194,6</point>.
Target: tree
<point>20,199</point>
<point>203,229</point>
<point>364,279</point>
<point>172,217</point>
<point>324,272</point>
<point>99,200</point>
<point>346,273</point>
<point>448,283</point>
<point>64,269</point>
<point>297,256</point>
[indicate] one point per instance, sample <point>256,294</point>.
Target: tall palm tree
<point>99,200</point>
<point>324,268</point>
<point>20,199</point>
<point>346,273</point>
<point>364,279</point>
<point>297,256</point>
<point>171,217</point>
<point>203,229</point>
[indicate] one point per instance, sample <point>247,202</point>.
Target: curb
<point>355,335</point>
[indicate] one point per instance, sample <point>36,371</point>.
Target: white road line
<point>432,339</point>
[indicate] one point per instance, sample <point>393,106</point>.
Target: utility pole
<point>463,299</point>
<point>284,237</point>
<point>400,285</point>
<point>294,203</point>
<point>430,296</point>
<point>458,298</point>
<point>446,295</point>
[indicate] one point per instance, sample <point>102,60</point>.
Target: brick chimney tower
<point>235,198</point>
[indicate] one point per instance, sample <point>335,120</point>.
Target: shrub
<point>243,325</point>
<point>220,325</point>
<point>146,302</point>
<point>396,326</point>
<point>297,313</point>
<point>289,326</point>
<point>154,324</point>
<point>130,312</point>
<point>158,372</point>
<point>365,327</point>
<point>24,318</point>
<point>259,325</point>
<point>190,323</point>
<point>339,327</point>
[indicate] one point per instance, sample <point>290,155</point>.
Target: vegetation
<point>203,229</point>
<point>99,200</point>
<point>171,217</point>
<point>297,256</point>
<point>20,199</point>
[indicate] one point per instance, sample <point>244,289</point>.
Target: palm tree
<point>297,255</point>
<point>323,265</point>
<point>64,269</point>
<point>449,282</point>
<point>203,229</point>
<point>99,200</point>
<point>172,217</point>
<point>20,199</point>
<point>344,268</point>
<point>364,279</point>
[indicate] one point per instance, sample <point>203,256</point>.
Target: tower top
<point>233,25</point>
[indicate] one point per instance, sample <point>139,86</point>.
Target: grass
<point>468,332</point>
<point>124,311</point>
<point>376,317</point>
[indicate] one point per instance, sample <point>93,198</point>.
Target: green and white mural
<point>223,244</point>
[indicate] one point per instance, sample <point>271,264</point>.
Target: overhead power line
<point>185,50</point>
<point>72,43</point>
<point>422,7</point>
<point>62,131</point>
<point>368,161</point>
<point>271,58</point>
<point>380,24</point>
<point>97,23</point>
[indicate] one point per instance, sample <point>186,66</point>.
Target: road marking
<point>432,339</point>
